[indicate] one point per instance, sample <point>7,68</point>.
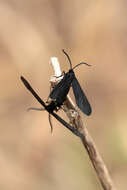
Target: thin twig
<point>76,121</point>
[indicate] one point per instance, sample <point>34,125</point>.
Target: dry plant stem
<point>89,145</point>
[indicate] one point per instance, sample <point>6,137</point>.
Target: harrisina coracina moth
<point>59,93</point>
<point>61,90</point>
<point>50,108</point>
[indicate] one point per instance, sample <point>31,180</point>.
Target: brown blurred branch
<point>76,121</point>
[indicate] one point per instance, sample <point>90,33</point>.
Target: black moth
<point>61,90</point>
<point>50,108</point>
<point>59,93</point>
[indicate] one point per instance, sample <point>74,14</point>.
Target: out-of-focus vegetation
<point>30,33</point>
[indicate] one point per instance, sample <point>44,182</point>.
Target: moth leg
<point>50,122</point>
<point>63,73</point>
<point>37,109</point>
<point>47,101</point>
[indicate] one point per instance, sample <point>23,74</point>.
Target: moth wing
<point>80,97</point>
<point>62,88</point>
<point>67,125</point>
<point>28,86</point>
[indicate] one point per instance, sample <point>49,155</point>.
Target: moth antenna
<point>50,122</point>
<point>80,64</point>
<point>68,58</point>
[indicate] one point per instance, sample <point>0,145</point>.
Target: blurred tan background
<point>30,33</point>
